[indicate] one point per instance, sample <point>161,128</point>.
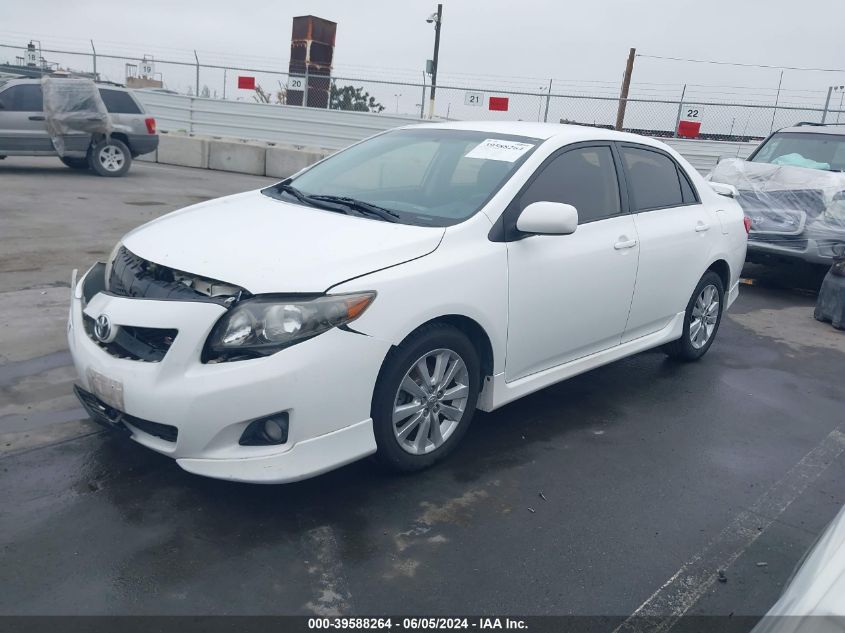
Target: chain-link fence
<point>209,77</point>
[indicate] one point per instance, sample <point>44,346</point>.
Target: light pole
<point>397,101</point>
<point>437,20</point>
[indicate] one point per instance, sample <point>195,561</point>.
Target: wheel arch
<point>723,269</point>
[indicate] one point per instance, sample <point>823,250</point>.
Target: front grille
<point>132,276</point>
<point>148,344</point>
<point>110,417</point>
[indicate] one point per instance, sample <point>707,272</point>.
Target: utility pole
<point>95,58</point>
<point>827,104</point>
<point>197,90</point>
<point>777,100</point>
<point>437,19</point>
<point>626,84</point>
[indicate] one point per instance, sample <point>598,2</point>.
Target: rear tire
<point>702,319</point>
<point>419,419</point>
<point>75,163</point>
<point>110,157</point>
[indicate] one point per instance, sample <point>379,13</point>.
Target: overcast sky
<point>568,40</point>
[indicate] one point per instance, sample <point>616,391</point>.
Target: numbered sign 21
<point>474,98</point>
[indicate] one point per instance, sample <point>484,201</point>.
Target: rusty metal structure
<point>311,54</point>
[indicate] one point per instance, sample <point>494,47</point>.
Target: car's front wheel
<point>702,320</point>
<point>425,397</point>
<point>110,157</point>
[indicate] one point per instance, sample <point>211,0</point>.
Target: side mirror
<point>548,218</point>
<point>724,189</point>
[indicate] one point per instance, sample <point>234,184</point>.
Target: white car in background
<point>372,302</point>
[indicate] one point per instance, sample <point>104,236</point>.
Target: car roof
<point>817,128</point>
<point>37,80</point>
<point>559,131</point>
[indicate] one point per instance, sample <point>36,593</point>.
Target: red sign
<point>246,83</point>
<point>689,129</point>
<point>499,103</point>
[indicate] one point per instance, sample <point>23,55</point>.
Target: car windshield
<point>429,177</point>
<point>799,149</point>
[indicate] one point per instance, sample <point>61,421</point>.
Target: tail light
<point>747,222</point>
<point>151,125</point>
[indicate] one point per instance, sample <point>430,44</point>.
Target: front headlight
<point>265,324</point>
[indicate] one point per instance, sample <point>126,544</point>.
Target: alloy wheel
<point>430,402</point>
<point>705,314</point>
<point>111,158</point>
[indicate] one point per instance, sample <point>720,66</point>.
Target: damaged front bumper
<point>324,385</point>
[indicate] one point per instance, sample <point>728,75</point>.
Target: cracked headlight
<point>265,324</point>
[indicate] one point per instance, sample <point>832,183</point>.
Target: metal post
<point>95,57</point>
<point>548,98</point>
<point>422,101</point>
<point>626,85</point>
<point>197,89</point>
<point>680,109</point>
<point>305,88</point>
<point>841,95</point>
<point>224,83</point>
<point>777,99</point>
<point>437,23</point>
<point>329,98</point>
<point>827,104</point>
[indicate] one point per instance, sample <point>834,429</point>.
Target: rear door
<point>22,126</point>
<point>676,234</point>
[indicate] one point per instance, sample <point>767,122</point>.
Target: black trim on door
<point>680,172</point>
<point>504,230</point>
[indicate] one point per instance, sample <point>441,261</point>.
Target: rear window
<point>119,102</point>
<point>653,179</point>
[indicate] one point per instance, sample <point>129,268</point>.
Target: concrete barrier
<point>241,157</point>
<point>148,158</point>
<point>282,162</point>
<point>187,151</point>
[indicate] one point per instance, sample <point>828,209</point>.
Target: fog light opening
<point>266,431</point>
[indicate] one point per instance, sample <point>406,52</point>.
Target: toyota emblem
<point>103,330</point>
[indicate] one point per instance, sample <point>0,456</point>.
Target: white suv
<point>372,302</point>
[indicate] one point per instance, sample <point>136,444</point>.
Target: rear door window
<point>653,179</point>
<point>119,102</point>
<point>22,98</point>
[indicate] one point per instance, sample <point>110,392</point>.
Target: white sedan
<point>372,302</point>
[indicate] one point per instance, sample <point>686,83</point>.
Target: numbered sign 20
<point>296,83</point>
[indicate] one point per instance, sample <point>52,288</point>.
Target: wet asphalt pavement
<point>584,498</point>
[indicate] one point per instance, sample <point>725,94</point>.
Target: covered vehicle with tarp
<point>792,188</point>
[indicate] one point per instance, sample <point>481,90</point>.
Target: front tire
<point>425,398</point>
<point>703,316</point>
<point>110,157</point>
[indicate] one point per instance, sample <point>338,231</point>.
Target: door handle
<point>701,227</point>
<point>36,118</point>
<point>625,244</point>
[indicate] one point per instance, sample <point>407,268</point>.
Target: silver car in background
<point>23,129</point>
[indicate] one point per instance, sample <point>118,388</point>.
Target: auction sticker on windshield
<point>495,149</point>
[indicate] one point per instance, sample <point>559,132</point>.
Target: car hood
<point>267,245</point>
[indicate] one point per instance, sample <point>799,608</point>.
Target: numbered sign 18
<point>474,98</point>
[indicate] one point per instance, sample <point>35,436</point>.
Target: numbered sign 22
<point>691,113</point>
<point>474,98</point>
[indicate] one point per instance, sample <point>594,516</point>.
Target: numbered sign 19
<point>474,99</point>
<point>689,125</point>
<point>296,83</point>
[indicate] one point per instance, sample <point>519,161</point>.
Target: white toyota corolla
<point>372,302</point>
